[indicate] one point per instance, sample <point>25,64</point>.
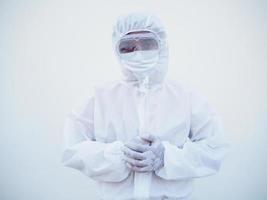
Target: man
<point>144,137</point>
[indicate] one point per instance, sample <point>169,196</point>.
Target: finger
<point>137,147</point>
<point>134,162</point>
<point>133,154</point>
<point>149,138</point>
<point>141,169</point>
<point>149,155</point>
<point>138,139</point>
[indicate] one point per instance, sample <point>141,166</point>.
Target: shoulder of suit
<point>177,86</point>
<point>108,88</point>
<point>184,87</point>
<point>107,85</point>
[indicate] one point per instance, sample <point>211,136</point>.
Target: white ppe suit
<point>188,127</point>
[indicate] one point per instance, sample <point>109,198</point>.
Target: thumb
<point>148,137</point>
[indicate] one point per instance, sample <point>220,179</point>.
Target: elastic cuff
<point>171,154</point>
<point>113,151</point>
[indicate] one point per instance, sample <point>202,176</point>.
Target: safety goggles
<point>137,42</point>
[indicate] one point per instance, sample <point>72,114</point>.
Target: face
<point>139,51</point>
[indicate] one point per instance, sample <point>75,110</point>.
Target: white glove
<point>144,154</point>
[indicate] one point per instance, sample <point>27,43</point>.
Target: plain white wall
<point>53,52</point>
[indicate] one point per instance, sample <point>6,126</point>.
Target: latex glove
<point>144,155</point>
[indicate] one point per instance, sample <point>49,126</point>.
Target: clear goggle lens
<point>128,45</point>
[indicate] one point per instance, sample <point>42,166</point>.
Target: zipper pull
<point>144,85</point>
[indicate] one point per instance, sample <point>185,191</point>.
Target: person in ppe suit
<point>143,137</point>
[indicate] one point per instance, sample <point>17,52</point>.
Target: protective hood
<point>142,22</point>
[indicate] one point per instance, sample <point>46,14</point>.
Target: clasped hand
<point>144,153</point>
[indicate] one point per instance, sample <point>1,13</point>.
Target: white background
<point>53,52</point>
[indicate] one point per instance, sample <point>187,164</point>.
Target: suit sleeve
<point>204,150</point>
<point>100,161</point>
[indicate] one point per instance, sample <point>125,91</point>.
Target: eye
<point>126,50</point>
<point>123,50</point>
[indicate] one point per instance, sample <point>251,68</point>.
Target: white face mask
<point>140,61</point>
